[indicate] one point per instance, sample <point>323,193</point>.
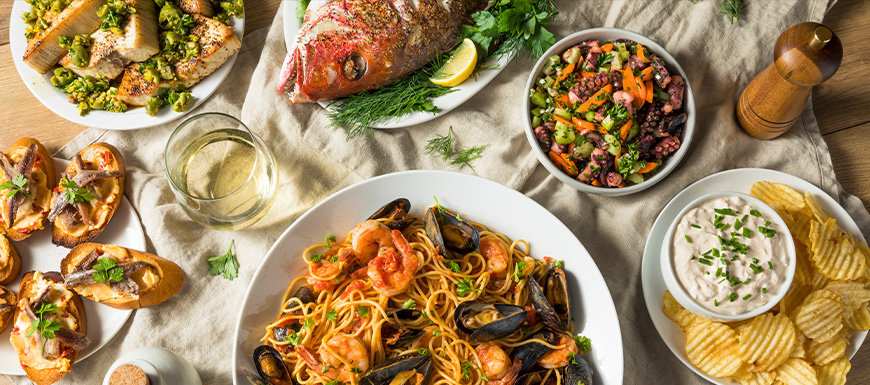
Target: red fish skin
<point>391,37</point>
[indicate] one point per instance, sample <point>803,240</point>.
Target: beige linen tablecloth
<point>315,160</point>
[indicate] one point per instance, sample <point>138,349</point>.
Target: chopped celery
<point>635,178</point>
<point>607,123</point>
<point>613,145</point>
<point>590,116</point>
<point>623,52</point>
<point>562,113</point>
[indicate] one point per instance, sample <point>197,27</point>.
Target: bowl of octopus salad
<point>610,112</point>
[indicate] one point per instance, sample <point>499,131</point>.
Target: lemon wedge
<point>459,67</point>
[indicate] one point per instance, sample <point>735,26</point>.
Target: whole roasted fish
<point>349,46</point>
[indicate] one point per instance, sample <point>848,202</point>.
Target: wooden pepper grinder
<point>806,55</point>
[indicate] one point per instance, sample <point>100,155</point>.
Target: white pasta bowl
<point>680,293</point>
<point>604,34</point>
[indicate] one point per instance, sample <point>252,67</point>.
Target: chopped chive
<point>705,262</point>
<point>732,297</point>
<point>747,233</point>
<point>688,239</point>
<point>725,211</point>
<point>770,265</point>
<point>756,268</point>
<point>747,281</point>
<point>745,297</point>
<point>767,223</point>
<point>755,213</point>
<point>693,258</point>
<point>738,224</point>
<point>696,226</point>
<point>764,290</point>
<point>718,271</point>
<point>715,302</point>
<point>754,260</point>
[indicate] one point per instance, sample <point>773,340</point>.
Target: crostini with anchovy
<point>26,182</point>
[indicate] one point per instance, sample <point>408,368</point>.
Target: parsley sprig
<point>465,286</point>
<point>225,264</point>
<point>15,186</point>
<point>108,271</point>
<point>73,193</point>
<point>444,147</point>
<point>509,25</point>
<point>42,325</point>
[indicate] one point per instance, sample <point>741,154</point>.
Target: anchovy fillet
<point>23,168</point>
<point>127,285</point>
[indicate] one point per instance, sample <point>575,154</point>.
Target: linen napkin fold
<point>315,160</point>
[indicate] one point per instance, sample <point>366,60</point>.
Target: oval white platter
<point>482,200</point>
<point>135,118</point>
<point>38,253</point>
<point>445,103</point>
<point>739,180</point>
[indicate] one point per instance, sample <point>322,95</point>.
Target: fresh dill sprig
<point>732,8</point>
<point>358,113</point>
<point>442,145</point>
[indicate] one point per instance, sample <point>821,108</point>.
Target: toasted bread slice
<point>83,221</point>
<point>203,7</point>
<point>111,52</point>
<point>217,44</point>
<point>156,279</point>
<point>7,308</point>
<point>134,89</point>
<point>10,261</point>
<point>70,313</point>
<point>78,18</point>
<point>31,208</point>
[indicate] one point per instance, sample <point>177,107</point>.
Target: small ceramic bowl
<point>161,366</point>
<point>680,293</point>
<point>604,34</point>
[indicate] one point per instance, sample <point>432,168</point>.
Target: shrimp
<point>323,273</point>
<point>367,238</point>
<point>340,357</point>
<point>557,358</point>
<point>496,255</point>
<point>391,272</point>
<point>496,365</point>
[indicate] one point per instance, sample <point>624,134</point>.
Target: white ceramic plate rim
<point>445,103</point>
<point>651,276</point>
<point>611,34</point>
<point>108,320</point>
<point>606,355</point>
<point>135,118</point>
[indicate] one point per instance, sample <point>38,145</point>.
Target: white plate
<point>38,253</point>
<point>473,197</point>
<point>445,103</point>
<point>739,180</point>
<point>135,118</point>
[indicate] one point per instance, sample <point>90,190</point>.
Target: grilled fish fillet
<point>44,49</point>
<point>111,52</point>
<point>134,89</point>
<point>217,43</point>
<point>202,7</point>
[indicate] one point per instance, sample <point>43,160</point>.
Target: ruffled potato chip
<point>833,373</point>
<point>804,270</point>
<point>820,214</point>
<point>795,371</point>
<point>860,319</point>
<point>834,252</point>
<point>853,295</point>
<point>820,353</point>
<point>676,312</point>
<point>777,194</point>
<point>767,341</point>
<point>793,298</point>
<point>712,348</point>
<point>820,317</point>
<point>800,228</point>
<point>756,378</point>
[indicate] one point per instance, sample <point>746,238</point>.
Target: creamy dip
<point>728,256</point>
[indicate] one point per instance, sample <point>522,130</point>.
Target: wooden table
<point>841,105</point>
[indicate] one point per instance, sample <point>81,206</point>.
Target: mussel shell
<point>449,233</point>
<point>270,366</point>
<point>396,336</point>
<point>510,319</point>
<point>533,378</point>
<point>578,371</point>
<point>529,354</point>
<point>388,209</point>
<point>384,373</point>
<point>304,294</point>
<point>556,293</point>
<point>543,308</point>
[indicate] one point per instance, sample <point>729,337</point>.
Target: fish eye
<point>354,67</point>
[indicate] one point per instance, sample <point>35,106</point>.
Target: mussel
<point>529,354</point>
<point>556,293</point>
<point>543,308</point>
<point>486,321</point>
<point>578,371</point>
<point>270,366</point>
<point>397,212</point>
<point>395,336</point>
<point>533,378</point>
<point>304,294</point>
<point>449,233</point>
<point>408,369</point>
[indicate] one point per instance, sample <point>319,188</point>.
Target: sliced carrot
<point>623,131</point>
<point>647,73</point>
<point>607,47</point>
<point>564,121</point>
<point>596,100</point>
<point>596,183</point>
<point>628,84</point>
<point>649,90</point>
<point>586,74</point>
<point>639,94</point>
<point>567,71</point>
<point>563,163</point>
<point>583,125</point>
<point>563,99</point>
<point>641,54</point>
<point>649,167</point>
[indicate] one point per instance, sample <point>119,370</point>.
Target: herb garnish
<point>409,304</point>
<point>225,264</point>
<point>732,8</point>
<point>315,257</point>
<point>328,240</point>
<point>453,266</point>
<point>72,193</point>
<point>423,352</point>
<point>443,146</point>
<point>115,14</point>
<point>15,186</point>
<point>362,311</point>
<point>508,25</point>
<point>45,327</point>
<point>518,269</point>
<point>466,367</point>
<point>301,7</point>
<point>465,286</point>
<point>108,271</point>
<point>768,232</point>
<point>332,315</point>
<point>583,343</point>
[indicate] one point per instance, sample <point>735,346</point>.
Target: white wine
<point>229,180</point>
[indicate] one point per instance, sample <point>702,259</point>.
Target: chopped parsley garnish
<point>409,304</point>
<point>466,367</point>
<point>465,286</point>
<point>453,266</point>
<point>583,343</point>
<point>225,264</point>
<point>307,324</point>
<point>328,240</point>
<point>332,315</point>
<point>72,193</point>
<point>518,269</point>
<point>436,333</point>
<point>315,257</point>
<point>15,186</point>
<point>45,327</point>
<point>362,311</point>
<point>107,271</point>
